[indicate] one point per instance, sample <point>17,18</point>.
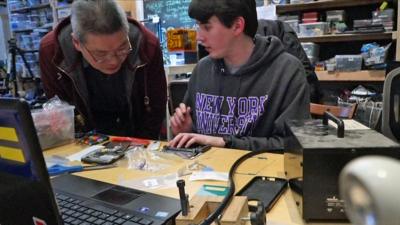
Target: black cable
<point>231,185</point>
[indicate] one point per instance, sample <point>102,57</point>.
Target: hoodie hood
<point>266,49</point>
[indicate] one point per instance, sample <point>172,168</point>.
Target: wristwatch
<point>228,141</point>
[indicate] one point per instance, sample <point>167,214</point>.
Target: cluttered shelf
<point>30,8</point>
<point>66,6</point>
<point>30,29</point>
<point>322,4</point>
<point>357,76</point>
<point>349,37</point>
<point>30,50</point>
<point>23,30</point>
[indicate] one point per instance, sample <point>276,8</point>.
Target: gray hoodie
<point>249,107</point>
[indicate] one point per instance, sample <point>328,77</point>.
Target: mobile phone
<point>265,189</point>
<point>107,155</point>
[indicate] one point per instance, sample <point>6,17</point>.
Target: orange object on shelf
<point>181,40</point>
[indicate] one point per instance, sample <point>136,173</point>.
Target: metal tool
<point>60,169</point>
<point>259,216</point>
<point>183,197</point>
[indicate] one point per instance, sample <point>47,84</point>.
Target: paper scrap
<point>209,175</point>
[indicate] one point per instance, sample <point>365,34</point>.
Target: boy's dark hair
<point>226,11</point>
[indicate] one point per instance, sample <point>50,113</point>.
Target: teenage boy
<point>240,95</point>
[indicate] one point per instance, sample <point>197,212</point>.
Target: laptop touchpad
<point>115,196</point>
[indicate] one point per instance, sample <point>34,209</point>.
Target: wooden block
<point>202,206</point>
<point>238,208</point>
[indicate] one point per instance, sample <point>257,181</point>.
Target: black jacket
<point>62,75</point>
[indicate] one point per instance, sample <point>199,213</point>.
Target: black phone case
<point>188,153</point>
<point>265,189</point>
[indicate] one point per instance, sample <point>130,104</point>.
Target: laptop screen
<point>26,194</point>
<point>18,140</point>
<point>22,167</point>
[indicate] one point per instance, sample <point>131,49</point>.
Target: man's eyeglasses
<point>103,57</point>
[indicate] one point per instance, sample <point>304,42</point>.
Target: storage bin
<point>15,4</point>
<point>348,62</point>
<point>335,16</point>
<point>296,1</point>
<point>33,2</point>
<point>294,24</point>
<point>30,57</point>
<point>385,15</point>
<point>54,127</point>
<point>288,17</point>
<point>36,72</point>
<point>313,29</point>
<point>311,49</point>
<point>65,12</point>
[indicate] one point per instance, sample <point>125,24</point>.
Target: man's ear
<point>76,43</point>
<point>239,25</point>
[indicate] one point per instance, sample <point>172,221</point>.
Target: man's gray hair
<point>97,17</point>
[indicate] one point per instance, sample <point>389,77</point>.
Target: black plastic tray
<point>265,189</point>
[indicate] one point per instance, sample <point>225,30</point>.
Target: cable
<point>231,185</point>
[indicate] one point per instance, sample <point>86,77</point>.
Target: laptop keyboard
<point>73,213</point>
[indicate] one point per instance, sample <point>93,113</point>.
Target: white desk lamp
<point>370,188</point>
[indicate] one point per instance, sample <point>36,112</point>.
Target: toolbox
<point>315,154</point>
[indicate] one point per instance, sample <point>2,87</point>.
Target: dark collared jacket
<point>62,75</point>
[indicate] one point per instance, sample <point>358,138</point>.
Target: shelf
<point>349,37</point>
<point>64,6</point>
<point>46,26</point>
<point>30,8</point>
<point>22,30</point>
<point>322,4</point>
<point>177,69</point>
<point>30,51</point>
<point>357,76</point>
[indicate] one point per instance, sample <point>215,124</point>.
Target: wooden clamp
<point>202,206</point>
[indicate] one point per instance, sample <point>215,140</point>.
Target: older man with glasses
<point>107,65</point>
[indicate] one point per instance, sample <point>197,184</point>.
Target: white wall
<point>139,10</point>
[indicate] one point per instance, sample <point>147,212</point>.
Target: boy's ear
<point>239,25</point>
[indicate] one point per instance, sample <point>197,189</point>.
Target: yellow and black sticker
<point>11,153</point>
<point>8,134</point>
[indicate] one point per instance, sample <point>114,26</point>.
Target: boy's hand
<point>181,121</point>
<point>185,140</point>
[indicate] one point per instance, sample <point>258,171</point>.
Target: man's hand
<point>187,139</point>
<point>181,121</point>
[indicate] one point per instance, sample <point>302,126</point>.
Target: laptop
<point>28,196</point>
